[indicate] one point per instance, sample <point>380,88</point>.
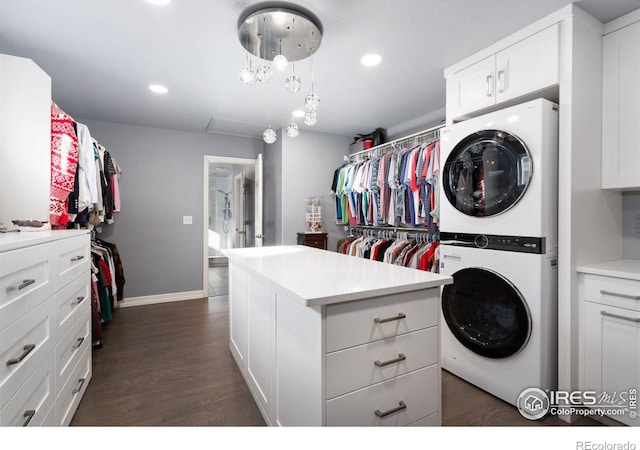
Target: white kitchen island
<point>323,338</point>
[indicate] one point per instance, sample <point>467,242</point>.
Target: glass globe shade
<point>311,102</point>
<point>264,74</point>
<point>311,118</point>
<point>269,136</point>
<point>248,76</point>
<point>293,130</point>
<point>293,83</point>
<point>280,62</point>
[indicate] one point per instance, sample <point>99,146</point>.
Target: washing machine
<point>499,173</point>
<point>499,317</point>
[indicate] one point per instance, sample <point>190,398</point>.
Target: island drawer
<point>357,322</point>
<point>399,401</point>
<point>364,365</point>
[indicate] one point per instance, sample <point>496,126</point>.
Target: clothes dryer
<point>499,317</point>
<point>500,173</point>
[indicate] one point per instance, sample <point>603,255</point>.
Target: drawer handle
<point>79,388</point>
<point>390,319</point>
<point>400,358</point>
<point>79,300</point>
<point>21,286</point>
<point>28,415</point>
<point>27,349</point>
<point>617,294</point>
<point>79,343</point>
<point>401,407</point>
<point>616,316</point>
<point>488,85</point>
<point>77,258</point>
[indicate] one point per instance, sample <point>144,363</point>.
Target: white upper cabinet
<point>523,68</point>
<point>621,108</point>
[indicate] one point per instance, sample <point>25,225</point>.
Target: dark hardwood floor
<point>169,365</point>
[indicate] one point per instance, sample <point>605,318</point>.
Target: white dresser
<point>45,326</point>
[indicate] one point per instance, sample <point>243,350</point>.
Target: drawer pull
<point>79,300</point>
<point>28,415</point>
<point>27,349</point>
<point>79,388</point>
<point>21,286</point>
<point>401,407</point>
<point>77,258</point>
<point>400,358</point>
<point>617,294</point>
<point>389,319</point>
<point>79,343</point>
<point>616,316</point>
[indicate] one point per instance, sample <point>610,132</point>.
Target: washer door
<point>487,173</point>
<point>486,313</point>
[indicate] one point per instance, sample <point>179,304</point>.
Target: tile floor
<point>218,281</point>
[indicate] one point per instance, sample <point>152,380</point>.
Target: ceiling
<point>103,54</point>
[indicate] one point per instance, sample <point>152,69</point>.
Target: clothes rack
<point>419,235</point>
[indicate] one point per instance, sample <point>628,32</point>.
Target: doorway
<point>233,214</point>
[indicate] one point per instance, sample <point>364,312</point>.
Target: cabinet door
<point>238,304</point>
<point>471,88</point>
<point>621,109</point>
<point>612,357</point>
<point>528,66</point>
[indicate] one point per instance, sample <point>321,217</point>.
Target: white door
<point>240,200</point>
<point>259,192</point>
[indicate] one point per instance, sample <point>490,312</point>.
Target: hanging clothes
<point>64,162</point>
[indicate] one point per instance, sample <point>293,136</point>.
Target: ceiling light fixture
<point>279,36</point>
<point>158,89</point>
<point>371,60</point>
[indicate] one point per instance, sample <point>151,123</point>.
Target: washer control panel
<point>523,244</point>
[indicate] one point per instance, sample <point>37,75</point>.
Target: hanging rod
<point>430,135</point>
<point>395,230</point>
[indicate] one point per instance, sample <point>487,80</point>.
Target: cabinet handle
<point>27,349</point>
<point>389,319</point>
<point>401,406</point>
<point>28,415</point>
<point>617,294</point>
<point>79,388</point>
<point>501,81</point>
<point>616,316</point>
<point>79,300</point>
<point>489,85</point>
<point>400,358</point>
<point>77,258</point>
<point>79,343</point>
<point>21,286</point>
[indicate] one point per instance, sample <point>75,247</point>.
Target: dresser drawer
<point>25,281</point>
<point>364,365</point>
<point>71,259</point>
<point>358,322</point>
<point>31,405</point>
<point>432,420</point>
<point>71,347</point>
<point>399,401</point>
<point>70,303</point>
<point>23,347</point>
<point>618,292</point>
<point>69,397</point>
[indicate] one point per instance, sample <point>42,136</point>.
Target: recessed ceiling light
<point>371,59</point>
<point>158,89</point>
<point>298,113</point>
<point>159,2</point>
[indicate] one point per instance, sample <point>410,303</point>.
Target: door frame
<point>208,160</point>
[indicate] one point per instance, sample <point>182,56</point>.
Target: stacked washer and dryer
<point>499,240</point>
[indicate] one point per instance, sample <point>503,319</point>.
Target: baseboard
<point>161,298</point>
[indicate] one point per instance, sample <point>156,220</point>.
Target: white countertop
<point>19,239</point>
<point>321,277</point>
<point>620,268</point>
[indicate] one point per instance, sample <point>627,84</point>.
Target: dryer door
<point>486,173</point>
<point>486,313</point>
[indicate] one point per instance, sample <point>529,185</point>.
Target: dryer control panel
<point>522,244</point>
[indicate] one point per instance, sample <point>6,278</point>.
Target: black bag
<point>377,137</point>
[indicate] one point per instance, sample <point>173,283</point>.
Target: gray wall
<point>631,225</point>
<point>272,179</point>
<point>162,181</point>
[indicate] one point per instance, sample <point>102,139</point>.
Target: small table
<point>313,239</point>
